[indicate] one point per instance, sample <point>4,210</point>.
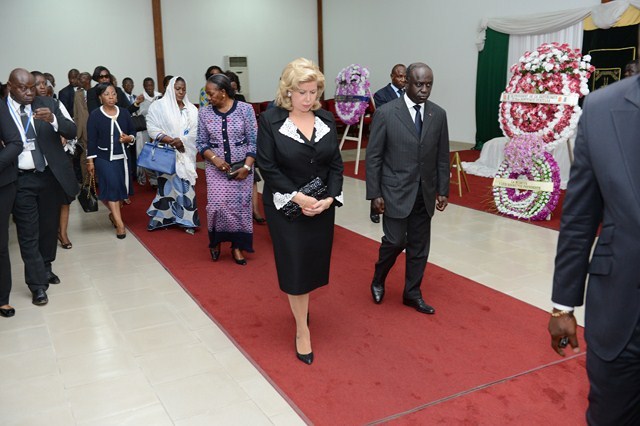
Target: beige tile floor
<point>106,351</point>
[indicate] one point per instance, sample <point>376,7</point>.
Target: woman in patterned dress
<point>173,120</point>
<point>227,132</point>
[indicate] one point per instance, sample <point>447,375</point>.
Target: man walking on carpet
<point>603,190</point>
<point>391,91</point>
<point>407,176</point>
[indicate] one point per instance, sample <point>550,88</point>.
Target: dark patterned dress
<point>232,136</point>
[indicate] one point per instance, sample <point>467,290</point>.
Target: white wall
<point>56,36</point>
<point>199,33</point>
<point>381,33</point>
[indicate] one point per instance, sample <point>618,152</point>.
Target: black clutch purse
<point>234,168</point>
<point>316,189</point>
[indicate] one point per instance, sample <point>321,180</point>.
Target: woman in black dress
<point>297,142</point>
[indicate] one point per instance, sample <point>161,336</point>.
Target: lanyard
<point>16,116</point>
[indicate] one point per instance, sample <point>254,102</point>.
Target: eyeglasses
<point>104,76</point>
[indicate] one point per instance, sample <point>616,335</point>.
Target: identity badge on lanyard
<point>28,144</point>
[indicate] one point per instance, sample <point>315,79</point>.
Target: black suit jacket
<point>384,95</point>
<point>604,188</point>
<point>66,96</point>
<point>10,147</point>
<point>399,162</point>
<point>51,146</point>
<point>287,165</point>
<point>93,102</point>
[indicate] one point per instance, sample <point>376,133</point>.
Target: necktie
<point>400,93</point>
<point>418,120</point>
<point>38,158</point>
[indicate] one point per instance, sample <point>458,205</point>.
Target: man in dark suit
<point>10,148</point>
<point>67,93</point>
<point>603,190</point>
<point>391,91</point>
<point>44,176</point>
<point>407,176</point>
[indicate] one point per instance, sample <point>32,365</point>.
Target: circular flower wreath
<point>352,93</point>
<point>552,68</point>
<point>526,158</point>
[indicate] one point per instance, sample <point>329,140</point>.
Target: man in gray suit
<point>407,176</point>
<point>603,190</point>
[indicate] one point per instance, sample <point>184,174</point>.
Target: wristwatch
<point>247,167</point>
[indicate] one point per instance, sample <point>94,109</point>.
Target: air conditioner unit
<point>240,66</point>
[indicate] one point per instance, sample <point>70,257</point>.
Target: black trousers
<point>37,214</point>
<point>412,233</point>
<point>7,195</point>
<point>614,395</point>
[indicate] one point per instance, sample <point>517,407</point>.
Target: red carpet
<point>376,363</point>
<point>479,198</point>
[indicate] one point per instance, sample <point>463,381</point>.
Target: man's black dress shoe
<point>52,278</point>
<point>377,291</point>
<point>375,218</point>
<point>7,312</point>
<point>39,297</point>
<point>420,306</point>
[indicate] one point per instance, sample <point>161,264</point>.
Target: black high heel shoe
<point>7,312</point>
<point>63,244</point>
<point>241,261</point>
<point>215,253</point>
<point>306,358</point>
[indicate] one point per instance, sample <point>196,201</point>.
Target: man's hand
<point>441,202</point>
<point>561,327</point>
<point>377,205</point>
<point>139,99</point>
<point>44,114</point>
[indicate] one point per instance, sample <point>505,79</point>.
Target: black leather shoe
<point>377,291</point>
<point>306,358</point>
<point>375,218</point>
<point>419,305</point>
<point>52,278</point>
<point>240,261</point>
<point>7,312</point>
<point>39,297</point>
<point>215,253</point>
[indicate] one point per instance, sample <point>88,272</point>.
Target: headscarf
<point>165,117</point>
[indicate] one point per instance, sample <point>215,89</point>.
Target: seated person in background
<point>631,69</point>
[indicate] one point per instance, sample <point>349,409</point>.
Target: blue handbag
<point>158,157</point>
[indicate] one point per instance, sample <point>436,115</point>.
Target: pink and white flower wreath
<point>352,93</point>
<point>552,68</point>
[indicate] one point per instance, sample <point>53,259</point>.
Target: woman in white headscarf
<point>173,120</point>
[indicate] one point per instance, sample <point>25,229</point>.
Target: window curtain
<point>490,83</point>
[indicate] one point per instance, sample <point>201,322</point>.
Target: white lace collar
<point>290,129</point>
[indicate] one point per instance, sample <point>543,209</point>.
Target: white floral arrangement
<point>553,68</point>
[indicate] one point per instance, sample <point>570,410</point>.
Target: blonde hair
<point>296,72</point>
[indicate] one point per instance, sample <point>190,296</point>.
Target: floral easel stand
<point>358,139</point>
<point>352,99</point>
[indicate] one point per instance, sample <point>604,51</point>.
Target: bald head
<point>419,82</point>
<point>22,86</point>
